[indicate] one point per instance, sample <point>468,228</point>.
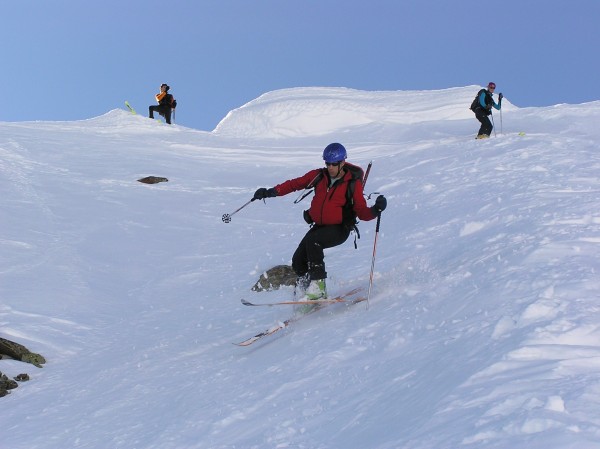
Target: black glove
<point>500,97</point>
<point>379,206</point>
<point>263,193</point>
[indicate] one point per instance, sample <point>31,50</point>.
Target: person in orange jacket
<point>165,104</point>
<point>326,215</point>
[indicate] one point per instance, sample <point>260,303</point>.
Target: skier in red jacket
<point>329,215</point>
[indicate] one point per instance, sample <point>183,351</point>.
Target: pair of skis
<point>347,298</point>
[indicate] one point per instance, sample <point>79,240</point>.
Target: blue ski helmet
<point>334,152</point>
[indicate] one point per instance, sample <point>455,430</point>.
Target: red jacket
<point>328,202</point>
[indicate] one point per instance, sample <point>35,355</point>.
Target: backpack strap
<point>311,185</point>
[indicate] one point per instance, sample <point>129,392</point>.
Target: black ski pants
<point>486,126</point>
<point>163,110</point>
<point>309,256</point>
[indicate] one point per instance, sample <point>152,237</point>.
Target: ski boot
<point>315,290</point>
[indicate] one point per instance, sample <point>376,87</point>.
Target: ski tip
<point>246,303</point>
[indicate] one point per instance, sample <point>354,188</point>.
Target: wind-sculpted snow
<point>316,111</point>
<point>482,331</point>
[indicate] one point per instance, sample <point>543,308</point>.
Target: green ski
<point>130,108</point>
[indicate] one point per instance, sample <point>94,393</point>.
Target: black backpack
<point>475,104</point>
<point>170,101</point>
<point>348,214</point>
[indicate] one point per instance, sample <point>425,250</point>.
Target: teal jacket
<point>486,98</point>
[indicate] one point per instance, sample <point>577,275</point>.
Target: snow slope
<point>483,330</point>
<point>320,111</point>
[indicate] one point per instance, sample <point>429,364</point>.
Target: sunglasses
<point>333,164</point>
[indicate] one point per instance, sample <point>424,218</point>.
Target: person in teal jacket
<point>482,107</point>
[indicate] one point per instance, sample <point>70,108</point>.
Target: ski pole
<point>501,131</point>
<point>227,217</point>
<point>373,260</point>
<point>367,173</point>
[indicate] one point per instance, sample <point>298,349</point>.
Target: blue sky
<point>72,59</point>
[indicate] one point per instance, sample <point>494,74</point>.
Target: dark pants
<point>486,125</point>
<point>309,256</point>
<point>165,111</point>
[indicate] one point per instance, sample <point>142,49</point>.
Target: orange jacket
<point>165,99</point>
